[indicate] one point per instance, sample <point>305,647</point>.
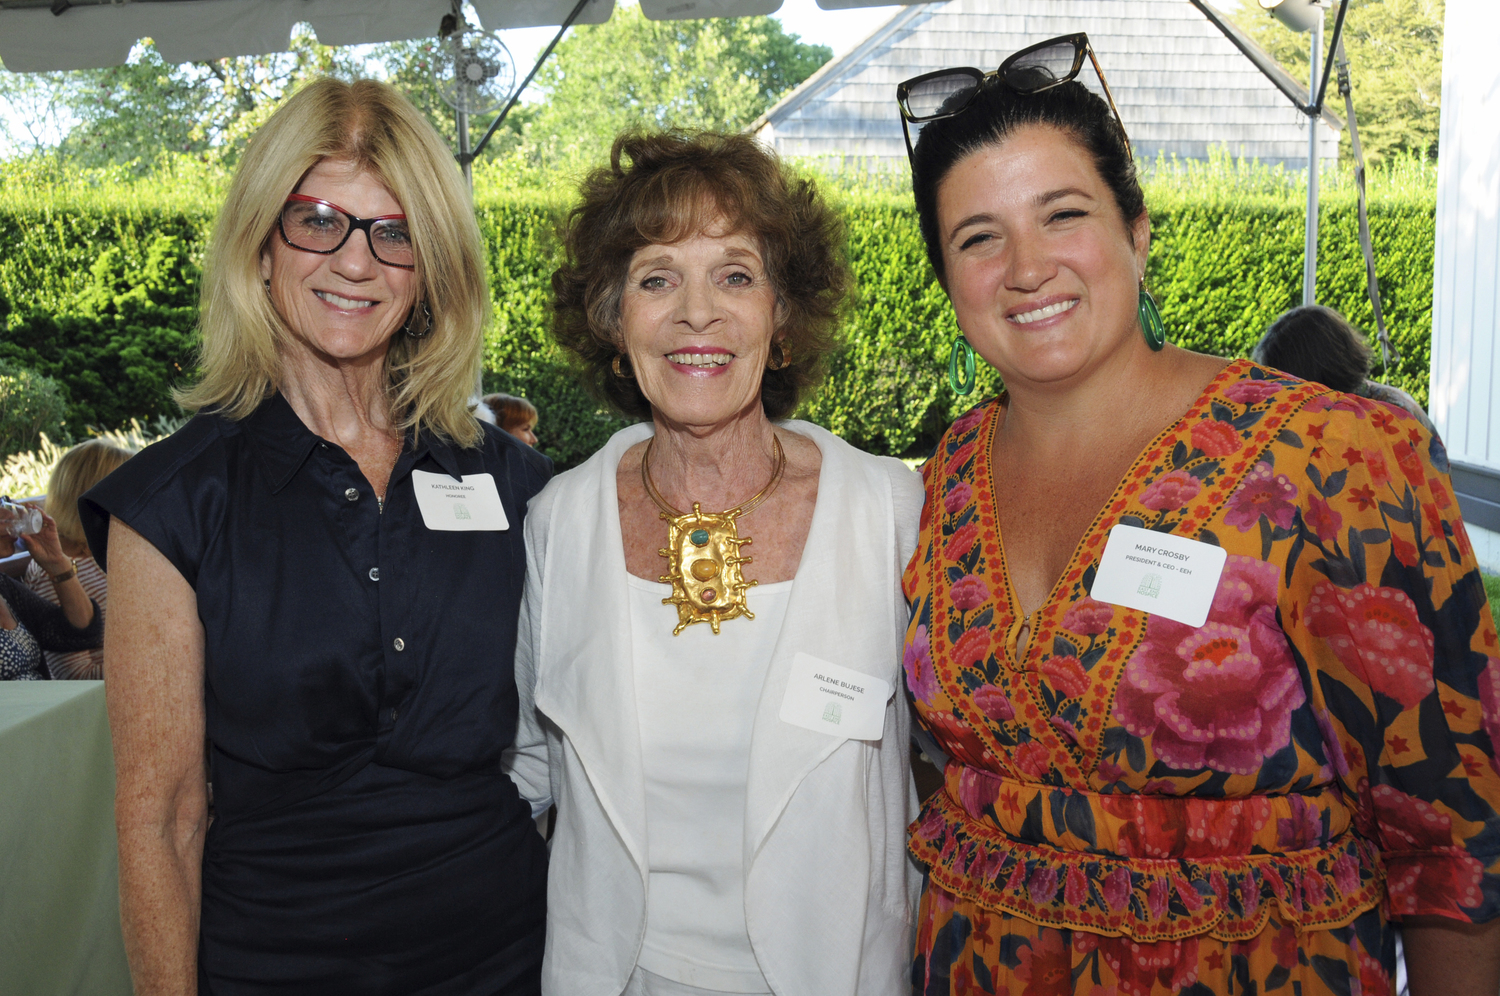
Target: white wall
<point>1466,288</point>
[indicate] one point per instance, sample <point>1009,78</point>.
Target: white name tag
<point>1159,573</point>
<point>459,506</point>
<point>839,701</point>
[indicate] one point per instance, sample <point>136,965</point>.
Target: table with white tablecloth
<point>59,868</point>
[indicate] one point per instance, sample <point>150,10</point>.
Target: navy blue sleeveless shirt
<point>359,694</point>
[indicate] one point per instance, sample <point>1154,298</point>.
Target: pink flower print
<point>1075,888</point>
<point>977,789</point>
<point>1190,897</point>
<point>1066,675</point>
<point>1263,492</point>
<point>967,421</point>
<point>1220,696</point>
<point>1410,464</point>
<point>1086,617</point>
<point>961,542</point>
<point>960,457</point>
<point>969,593</point>
<point>1116,889</point>
<point>1251,392</point>
<point>1042,884</point>
<point>958,740</point>
<point>1376,634</point>
<point>1300,830</point>
<point>921,679</point>
<point>1156,899</point>
<point>958,497</point>
<point>1314,889</point>
<point>1109,771</point>
<point>1171,491</point>
<point>1380,474</point>
<point>1407,823</point>
<point>1017,878</point>
<point>973,648</point>
<point>1346,875</point>
<point>1216,439</point>
<point>1338,403</point>
<point>1031,759</point>
<point>1322,519</point>
<point>994,703</point>
<point>1449,879</point>
<point>1489,704</point>
<point>1068,731</point>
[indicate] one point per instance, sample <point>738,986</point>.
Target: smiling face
<point>696,320</point>
<point>346,306</point>
<point>1042,271</point>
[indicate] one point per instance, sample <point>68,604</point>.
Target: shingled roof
<point>1181,86</point>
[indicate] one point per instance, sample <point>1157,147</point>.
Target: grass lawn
<point>1492,589</point>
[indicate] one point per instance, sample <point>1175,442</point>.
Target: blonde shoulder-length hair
<point>429,380</point>
<point>79,469</point>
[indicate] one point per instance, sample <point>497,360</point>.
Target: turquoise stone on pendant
<point>699,537</point>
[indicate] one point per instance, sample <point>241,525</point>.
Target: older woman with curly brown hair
<point>715,719</point>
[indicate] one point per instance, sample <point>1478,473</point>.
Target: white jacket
<point>830,893</point>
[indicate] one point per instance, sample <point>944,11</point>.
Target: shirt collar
<point>283,443</point>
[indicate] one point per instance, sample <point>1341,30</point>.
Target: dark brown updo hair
<point>664,187</point>
<point>1318,344</point>
<point>995,113</point>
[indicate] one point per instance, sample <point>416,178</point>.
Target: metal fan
<point>478,74</point>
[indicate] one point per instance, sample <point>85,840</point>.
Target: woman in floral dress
<point>1140,801</point>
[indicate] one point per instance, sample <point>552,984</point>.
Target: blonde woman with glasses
<point>292,577</point>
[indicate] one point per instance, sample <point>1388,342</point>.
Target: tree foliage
<point>134,113</point>
<point>1395,50</point>
<point>633,72</point>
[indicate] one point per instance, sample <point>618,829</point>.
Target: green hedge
<point>97,291</point>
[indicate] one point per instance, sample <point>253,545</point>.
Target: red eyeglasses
<point>315,225</point>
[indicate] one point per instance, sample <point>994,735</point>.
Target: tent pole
<point>1310,253</point>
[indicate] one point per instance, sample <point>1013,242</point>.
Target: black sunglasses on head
<point>948,92</point>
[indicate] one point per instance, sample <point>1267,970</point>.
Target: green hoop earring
<point>1151,325</point>
<point>961,348</point>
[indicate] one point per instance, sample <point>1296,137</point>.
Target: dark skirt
<point>391,882</point>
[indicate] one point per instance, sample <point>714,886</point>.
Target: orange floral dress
<point>1138,806</point>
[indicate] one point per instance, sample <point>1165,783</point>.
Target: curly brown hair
<point>674,186</point>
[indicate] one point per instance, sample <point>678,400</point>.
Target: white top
<point>829,888</point>
<point>696,696</point>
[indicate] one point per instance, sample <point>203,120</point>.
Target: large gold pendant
<point>703,566</point>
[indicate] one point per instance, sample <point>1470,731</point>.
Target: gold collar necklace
<point>712,589</point>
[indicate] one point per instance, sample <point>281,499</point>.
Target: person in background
<point>79,469</point>
<point>723,826</point>
<point>1318,344</point>
<point>516,416</point>
<point>1206,644</point>
<point>29,624</point>
<point>293,575</point>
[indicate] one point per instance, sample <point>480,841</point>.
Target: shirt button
<point>352,494</point>
<point>399,644</point>
<point>394,714</point>
<point>375,576</point>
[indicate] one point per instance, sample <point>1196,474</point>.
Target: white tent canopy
<point>86,34</point>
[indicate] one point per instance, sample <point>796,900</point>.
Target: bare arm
<point>153,650</point>
<point>46,549</point>
<point>1450,957</point>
